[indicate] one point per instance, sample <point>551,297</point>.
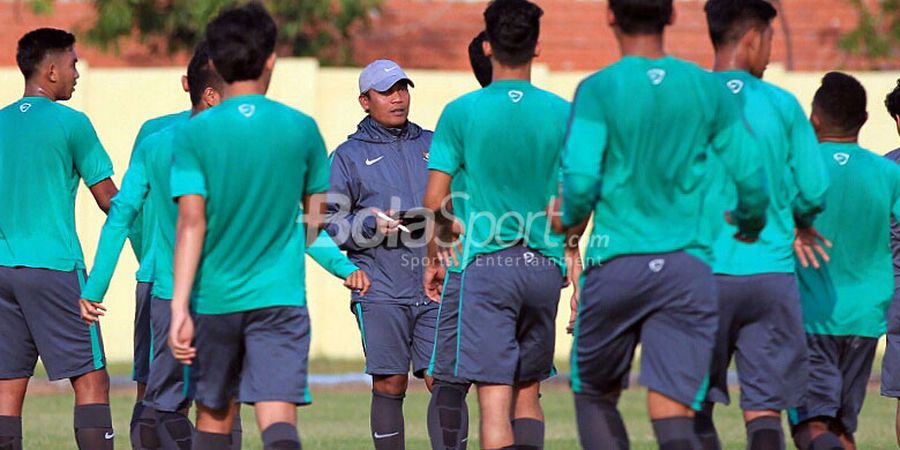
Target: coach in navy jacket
<point>383,167</point>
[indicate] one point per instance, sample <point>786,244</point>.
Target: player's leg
<point>856,368</point>
<point>143,420</point>
<point>495,404</point>
<point>217,373</point>
<point>890,368</point>
<point>606,332</point>
<point>448,412</point>
<point>387,331</point>
<point>528,416</point>
<point>771,353</point>
<point>69,348</point>
<point>810,428</point>
<point>18,356</point>
<point>168,394</point>
<point>275,372</point>
<point>706,428</point>
<point>678,339</point>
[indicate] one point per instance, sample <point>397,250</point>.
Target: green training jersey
<point>45,148</point>
<point>253,160</point>
<point>795,174</point>
<point>850,295</point>
<point>142,229</point>
<point>637,155</point>
<point>503,143</point>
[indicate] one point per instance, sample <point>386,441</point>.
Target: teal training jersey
<point>45,148</point>
<point>142,232</point>
<point>795,174</point>
<point>850,295</point>
<point>504,143</point>
<point>637,156</point>
<point>253,160</point>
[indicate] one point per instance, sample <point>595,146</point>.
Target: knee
<point>391,384</point>
<point>93,384</point>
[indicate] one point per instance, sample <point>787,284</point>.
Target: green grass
<point>339,418</point>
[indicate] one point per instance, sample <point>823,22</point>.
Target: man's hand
<point>554,215</point>
<point>739,236</point>
<point>181,336</point>
<point>91,311</point>
<point>574,267</point>
<point>808,242</point>
<point>434,280</point>
<point>383,226</point>
<point>358,281</point>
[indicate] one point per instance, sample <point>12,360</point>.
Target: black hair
<point>840,103</point>
<point>729,20</point>
<point>642,16</point>
<point>240,40</point>
<point>481,64</point>
<point>512,27</point>
<point>37,44</point>
<point>201,75</point>
<point>892,101</point>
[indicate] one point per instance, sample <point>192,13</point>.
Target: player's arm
<point>91,161</point>
<point>809,173</point>
<point>125,207</point>
<point>190,233</point>
<point>582,164</point>
<point>327,254</point>
<point>315,186</point>
<point>734,142</point>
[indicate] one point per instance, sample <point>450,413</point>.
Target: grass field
<point>339,420</point>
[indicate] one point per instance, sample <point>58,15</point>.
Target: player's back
<point>45,148</point>
<point>860,200</point>
<point>257,159</point>
<point>659,117</point>
<point>795,175</point>
<point>511,136</point>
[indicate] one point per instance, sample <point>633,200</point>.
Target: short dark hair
<point>201,74</point>
<point>642,16</point>
<point>729,20</point>
<point>240,40</point>
<point>512,27</point>
<point>840,103</point>
<point>892,101</point>
<point>481,64</point>
<point>37,44</point>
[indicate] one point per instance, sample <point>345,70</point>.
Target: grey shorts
<point>395,335</point>
<point>761,325</point>
<point>839,370</point>
<point>666,302</point>
<point>497,320</point>
<point>168,387</point>
<point>40,316</point>
<point>253,356</point>
<point>890,369</point>
<point>143,335</point>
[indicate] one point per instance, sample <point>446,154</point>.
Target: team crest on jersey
<point>24,107</point>
<point>842,158</point>
<point>656,76</point>
<point>735,85</point>
<point>516,95</point>
<point>247,110</point>
<point>657,264</point>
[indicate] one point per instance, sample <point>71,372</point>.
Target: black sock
<point>281,436</point>
<point>387,421</point>
<point>765,433</point>
<point>175,431</point>
<point>675,433</point>
<point>529,434</point>
<point>10,433</point>
<point>599,423</point>
<point>448,416</point>
<point>237,432</point>
<point>93,427</point>
<point>706,429</point>
<point>143,428</point>
<point>210,441</point>
<point>827,441</point>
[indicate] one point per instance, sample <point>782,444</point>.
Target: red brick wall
<point>435,33</point>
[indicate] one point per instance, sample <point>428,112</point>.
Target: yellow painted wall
<point>119,100</point>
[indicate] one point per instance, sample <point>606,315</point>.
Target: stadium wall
<point>118,100</point>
